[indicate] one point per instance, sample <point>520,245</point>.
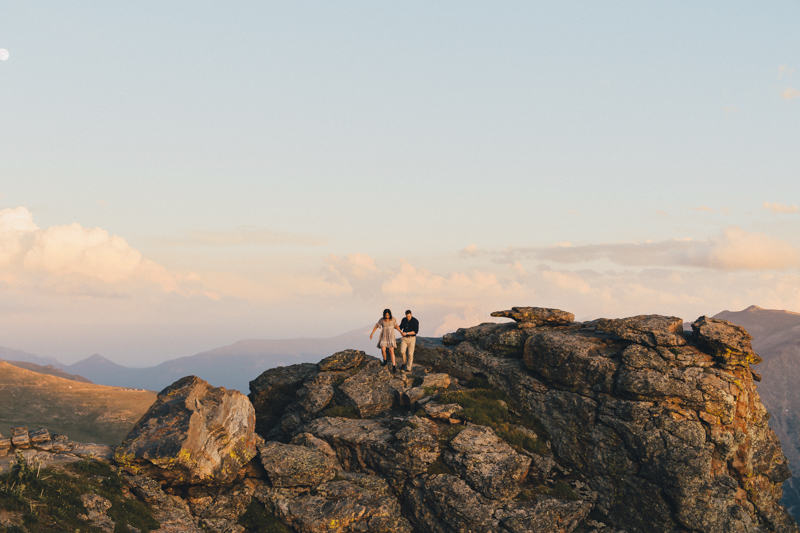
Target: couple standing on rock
<point>409,328</point>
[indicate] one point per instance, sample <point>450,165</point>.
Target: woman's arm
<point>373,331</point>
<point>398,329</point>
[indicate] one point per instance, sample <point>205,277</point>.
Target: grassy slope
<point>84,412</point>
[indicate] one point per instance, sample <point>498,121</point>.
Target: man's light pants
<point>407,344</point>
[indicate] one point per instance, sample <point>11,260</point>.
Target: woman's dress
<point>387,333</point>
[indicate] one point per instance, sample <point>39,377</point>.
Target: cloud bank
<point>72,259</point>
<point>734,249</point>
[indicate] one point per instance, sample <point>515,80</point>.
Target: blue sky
<point>195,173</point>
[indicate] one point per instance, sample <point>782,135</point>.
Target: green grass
<point>450,433</point>
<point>258,520</point>
<point>561,490</point>
<point>343,411</point>
<point>50,499</point>
<point>490,407</point>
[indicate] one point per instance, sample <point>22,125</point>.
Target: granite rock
<point>193,434</point>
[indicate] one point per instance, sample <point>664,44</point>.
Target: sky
<point>176,176</point>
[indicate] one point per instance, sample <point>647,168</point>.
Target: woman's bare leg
<point>383,352</point>
<point>391,353</point>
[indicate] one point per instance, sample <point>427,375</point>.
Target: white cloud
<point>72,259</point>
<point>790,93</point>
<point>15,225</point>
<point>780,208</point>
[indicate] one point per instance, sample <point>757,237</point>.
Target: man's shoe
<point>404,368</point>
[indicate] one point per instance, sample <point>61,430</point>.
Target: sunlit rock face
<point>193,434</point>
<point>666,427</point>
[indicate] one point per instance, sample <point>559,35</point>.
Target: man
<point>410,327</point>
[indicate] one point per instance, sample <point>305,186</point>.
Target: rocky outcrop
<point>193,434</point>
<point>537,425</point>
<point>664,430</point>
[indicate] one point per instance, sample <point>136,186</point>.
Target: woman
<point>387,325</point>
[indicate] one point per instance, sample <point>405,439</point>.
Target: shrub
<point>492,407</point>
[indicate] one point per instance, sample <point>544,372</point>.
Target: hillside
<point>776,338</point>
<point>10,354</point>
<point>83,411</point>
<point>50,370</point>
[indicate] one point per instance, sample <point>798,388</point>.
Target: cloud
<point>780,208</point>
<point>790,93</point>
<point>734,249</point>
<point>703,208</point>
<point>15,226</point>
<point>245,235</point>
<point>784,70</point>
<point>72,259</point>
<point>471,250</point>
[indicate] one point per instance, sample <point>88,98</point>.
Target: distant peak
<point>754,308</point>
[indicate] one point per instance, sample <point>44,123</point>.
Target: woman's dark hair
<point>387,311</point>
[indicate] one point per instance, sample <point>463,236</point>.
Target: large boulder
<point>537,316</point>
<point>649,330</point>
<point>444,503</point>
<point>172,512</point>
<point>372,391</point>
<point>194,433</point>
<point>273,391</point>
<point>343,360</point>
<point>575,361</point>
<point>288,465</point>
<point>546,516</point>
<point>398,448</point>
<point>725,340</point>
<point>354,502</point>
<point>487,463</point>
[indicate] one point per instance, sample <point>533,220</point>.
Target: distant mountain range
<point>776,338</point>
<point>232,366</point>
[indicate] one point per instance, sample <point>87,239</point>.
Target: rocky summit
<point>540,424</point>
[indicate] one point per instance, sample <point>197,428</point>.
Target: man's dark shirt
<point>407,326</point>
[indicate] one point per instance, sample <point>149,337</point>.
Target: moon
<point>3,54</point>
